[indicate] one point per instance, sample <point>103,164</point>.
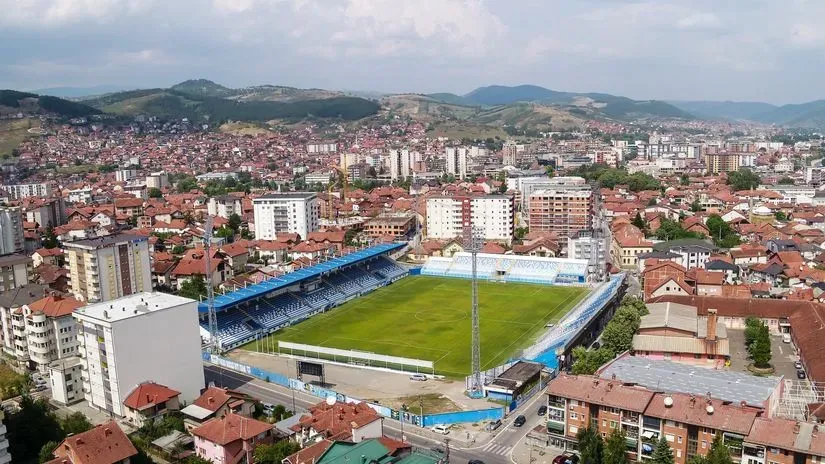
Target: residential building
<point>143,336</point>
<point>628,243</point>
<point>514,154</point>
<point>82,195</point>
<point>104,444</point>
<point>401,163</point>
<point>278,213</point>
<point>322,147</point>
<point>525,183</point>
<point>11,231</point>
<point>675,332</point>
<point>338,421</point>
<point>231,439</point>
<point>125,175</point>
<point>566,207</point>
<point>150,402</point>
<point>492,215</point>
<point>105,268</point>
<point>217,402</point>
<point>46,212</point>
<point>716,163</point>
<point>595,249</point>
<point>318,177</point>
<point>66,376</point>
<point>784,441</point>
<point>15,271</point>
<point>5,456</point>
<point>11,301</point>
<point>224,206</point>
<point>20,191</point>
<point>157,180</point>
<point>391,224</point>
<point>688,422</point>
<point>456,160</point>
<point>44,331</point>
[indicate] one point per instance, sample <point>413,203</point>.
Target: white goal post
<point>351,356</point>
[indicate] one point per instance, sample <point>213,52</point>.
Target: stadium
<point>365,308</point>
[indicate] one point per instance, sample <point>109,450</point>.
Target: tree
<point>780,216</point>
<point>591,446</point>
<point>684,180</point>
<point>639,222</point>
<point>49,239</point>
<point>75,423</point>
<point>30,428</point>
<point>234,222</point>
<point>785,181</point>
<point>672,230</point>
<point>618,336</point>
<point>178,250</point>
<point>760,349</point>
<point>276,452</point>
<point>662,453</point>
<point>155,192</point>
<point>186,184</point>
<point>696,206</point>
<point>226,232</point>
<point>46,451</point>
<point>722,233</point>
<point>194,288</point>
<point>719,452</point>
<point>615,448</point>
<point>587,362</point>
<point>743,179</point>
<point>279,412</point>
<point>521,232</point>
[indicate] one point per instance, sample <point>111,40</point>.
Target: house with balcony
<point>231,439</point>
<point>44,331</point>
<point>150,401</point>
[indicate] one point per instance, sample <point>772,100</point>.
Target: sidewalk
<point>525,453</point>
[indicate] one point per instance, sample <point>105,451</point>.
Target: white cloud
<point>699,21</point>
<point>56,12</point>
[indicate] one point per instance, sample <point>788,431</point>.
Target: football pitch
<point>428,318</point>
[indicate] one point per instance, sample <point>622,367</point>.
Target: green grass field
<point>429,318</point>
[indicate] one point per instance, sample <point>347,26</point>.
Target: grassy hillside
<point>203,88</point>
<point>12,101</point>
<point>724,110</point>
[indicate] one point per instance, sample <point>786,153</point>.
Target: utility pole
<point>401,418</point>
<point>474,242</point>
<point>447,446</point>
<point>214,344</point>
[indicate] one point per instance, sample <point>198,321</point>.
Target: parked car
<point>549,325</point>
<point>786,338</point>
<point>560,459</point>
<point>520,420</point>
<point>798,364</point>
<point>418,377</point>
<point>442,429</point>
<point>475,461</point>
<point>542,410</point>
<point>800,374</point>
<point>268,407</point>
<point>494,424</point>
<point>437,449</point>
<point>40,388</point>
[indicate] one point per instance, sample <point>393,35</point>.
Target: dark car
<point>475,461</point>
<point>437,449</point>
<point>798,364</point>
<point>542,410</point>
<point>520,420</point>
<point>800,374</point>
<point>560,459</point>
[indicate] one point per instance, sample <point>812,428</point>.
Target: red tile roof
<point>149,394</point>
<point>694,410</point>
<point>592,389</point>
<point>213,398</point>
<point>230,428</point>
<point>56,306</point>
<point>338,420</point>
<point>104,444</point>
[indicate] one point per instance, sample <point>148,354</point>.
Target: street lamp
<point>404,409</point>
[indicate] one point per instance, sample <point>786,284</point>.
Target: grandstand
<point>260,309</point>
<point>511,268</point>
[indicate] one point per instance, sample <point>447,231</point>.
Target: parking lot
<point>783,355</point>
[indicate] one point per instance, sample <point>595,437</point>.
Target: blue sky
<point>670,49</point>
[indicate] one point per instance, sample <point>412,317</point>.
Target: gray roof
<point>285,426</point>
<point>11,260</point>
<point>100,242</point>
<point>287,196</point>
<point>671,315</point>
<point>683,242</point>
<point>23,295</point>
<point>668,376</point>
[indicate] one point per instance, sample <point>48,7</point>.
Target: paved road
<point>496,451</point>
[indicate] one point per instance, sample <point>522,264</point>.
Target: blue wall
<point>463,416</point>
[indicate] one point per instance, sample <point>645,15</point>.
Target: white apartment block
<point>224,206</point>
<point>44,331</point>
<point>322,147</point>
<point>105,268</point>
<point>11,230</point>
<point>457,161</point>
<point>15,271</point>
<point>401,163</point>
<point>67,380</point>
<point>83,195</point>
<point>18,191</point>
<point>125,175</point>
<point>139,338</point>
<point>447,217</point>
<point>292,212</point>
<point>157,180</point>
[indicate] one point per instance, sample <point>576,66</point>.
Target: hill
<point>77,92</point>
<point>174,104</point>
<point>452,99</point>
<point>805,115</point>
<point>203,88</point>
<point>599,103</point>
<point>12,101</point>
<point>724,110</point>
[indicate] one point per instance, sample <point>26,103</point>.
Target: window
<point>573,415</point>
<point>613,424</point>
<point>679,439</point>
<point>704,444</point>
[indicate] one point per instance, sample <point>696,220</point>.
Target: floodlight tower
<point>214,347</point>
<point>474,240</point>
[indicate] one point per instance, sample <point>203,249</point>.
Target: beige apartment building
<point>110,267</point>
<point>565,207</point>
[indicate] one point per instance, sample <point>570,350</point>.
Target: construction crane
<point>214,346</point>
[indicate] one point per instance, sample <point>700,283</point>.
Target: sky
<point>745,50</point>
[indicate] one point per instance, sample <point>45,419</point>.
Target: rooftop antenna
<point>214,346</point>
<point>474,241</point>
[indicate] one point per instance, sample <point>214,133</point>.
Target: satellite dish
<point>330,400</point>
<point>668,401</point>
<point>709,409</point>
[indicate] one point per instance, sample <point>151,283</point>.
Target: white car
<point>418,377</point>
<point>442,429</point>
